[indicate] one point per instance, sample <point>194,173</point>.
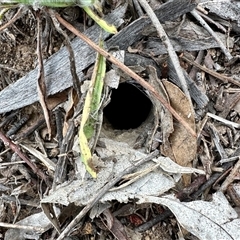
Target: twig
<point>66,146</point>
<point>75,78</point>
<point>31,129</point>
<point>59,125</point>
<point>215,176</point>
<point>164,38</point>
<point>42,91</point>
<point>218,25</point>
<point>7,142</point>
<point>99,195</point>
<point>212,73</point>
<point>207,27</point>
<point>125,69</point>
<point>216,140</point>
<point>223,120</point>
<point>17,125</point>
<point>17,226</point>
<point>147,225</point>
<point>231,177</point>
<point>226,160</point>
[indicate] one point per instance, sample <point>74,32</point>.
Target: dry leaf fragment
<point>183,146</point>
<point>69,108</point>
<point>207,220</point>
<point>56,99</point>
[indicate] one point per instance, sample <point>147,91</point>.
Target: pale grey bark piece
<point>156,47</point>
<point>185,37</point>
<point>134,32</point>
<point>214,219</point>
<point>229,10</point>
<point>57,68</point>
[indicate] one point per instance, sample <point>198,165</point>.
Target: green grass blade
<point>91,109</point>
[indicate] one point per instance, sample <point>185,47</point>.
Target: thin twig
<point>13,19</point>
<point>159,218</point>
<point>224,121</point>
<point>216,140</point>
<point>218,25</point>
<point>164,38</point>
<point>215,176</point>
<point>75,78</point>
<point>24,227</point>
<point>125,69</point>
<point>42,90</point>
<point>226,160</point>
<point>231,177</point>
<point>138,8</point>
<point>100,194</point>
<point>207,27</point>
<point>212,73</point>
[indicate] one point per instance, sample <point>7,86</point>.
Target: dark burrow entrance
<point>129,107</point>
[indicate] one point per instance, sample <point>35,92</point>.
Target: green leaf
<point>90,112</point>
<point>103,24</point>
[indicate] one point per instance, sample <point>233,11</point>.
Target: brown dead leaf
<point>56,99</point>
<point>183,144</point>
<point>115,226</point>
<point>71,103</point>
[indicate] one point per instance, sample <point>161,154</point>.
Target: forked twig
<point>124,68</point>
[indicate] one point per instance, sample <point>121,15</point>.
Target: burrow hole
<point>129,107</point>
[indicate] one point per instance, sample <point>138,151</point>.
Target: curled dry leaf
<point>183,145</point>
